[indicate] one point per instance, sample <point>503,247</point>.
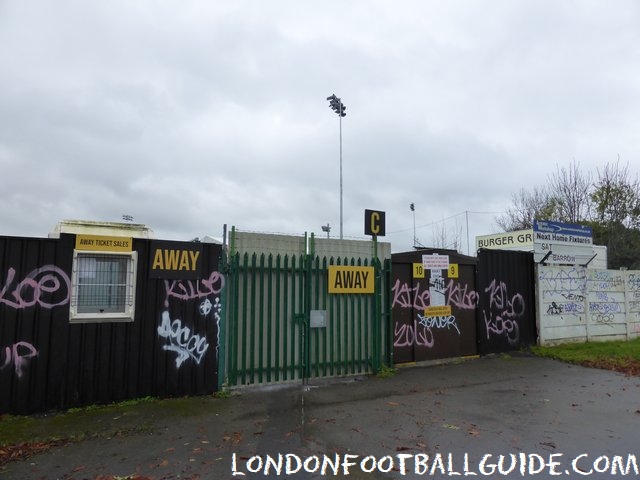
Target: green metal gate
<point>268,335</point>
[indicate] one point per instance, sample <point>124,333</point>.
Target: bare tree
<point>442,238</point>
<point>527,206</point>
<point>570,189</point>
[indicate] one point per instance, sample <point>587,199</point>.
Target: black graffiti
<point>554,309</point>
<point>604,319</point>
<point>574,297</point>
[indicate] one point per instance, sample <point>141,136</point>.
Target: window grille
<point>103,286</point>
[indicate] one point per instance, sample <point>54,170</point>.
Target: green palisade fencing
<point>268,333</point>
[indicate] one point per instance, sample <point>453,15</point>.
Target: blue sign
<point>547,231</point>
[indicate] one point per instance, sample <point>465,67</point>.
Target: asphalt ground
<point>546,418</point>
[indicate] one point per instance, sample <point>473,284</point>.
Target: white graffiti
<point>205,307</point>
<point>181,341</point>
<point>217,313</point>
<point>439,322</point>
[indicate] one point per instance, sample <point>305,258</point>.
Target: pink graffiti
<point>499,299</point>
<point>189,289</point>
<point>406,297</point>
<point>504,312</point>
<point>18,354</point>
<point>30,291</point>
<point>406,335</point>
<point>457,295</point>
<point>461,297</point>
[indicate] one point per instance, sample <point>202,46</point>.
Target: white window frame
<point>128,312</point>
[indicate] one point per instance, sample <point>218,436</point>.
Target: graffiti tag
<point>190,289</point>
<point>34,287</point>
<point>504,311</point>
<point>18,355</point>
<point>181,341</point>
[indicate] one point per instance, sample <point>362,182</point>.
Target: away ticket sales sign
<point>562,243</point>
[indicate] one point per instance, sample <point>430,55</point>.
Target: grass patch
<point>386,372</point>
<point>621,356</point>
<point>138,416</point>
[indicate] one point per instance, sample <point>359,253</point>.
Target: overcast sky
<point>188,115</point>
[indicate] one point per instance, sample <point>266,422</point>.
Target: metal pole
<point>414,227</point>
<point>340,116</point>
<point>337,106</point>
<point>468,247</point>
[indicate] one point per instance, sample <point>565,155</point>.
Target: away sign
<point>346,279</point>
<point>175,260</point>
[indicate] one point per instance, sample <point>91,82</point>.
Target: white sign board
<point>517,240</point>
<point>558,243</point>
<point>563,254</point>
<point>435,262</point>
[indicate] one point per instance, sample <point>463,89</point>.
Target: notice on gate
<point>435,262</point>
<point>346,279</point>
<point>437,311</point>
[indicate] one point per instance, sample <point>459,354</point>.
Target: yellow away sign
<point>345,279</point>
<point>103,243</point>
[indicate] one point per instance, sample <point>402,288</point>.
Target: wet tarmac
<point>545,418</point>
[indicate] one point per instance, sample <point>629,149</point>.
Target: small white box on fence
<point>318,319</point>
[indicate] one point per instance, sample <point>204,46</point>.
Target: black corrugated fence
<point>90,319</point>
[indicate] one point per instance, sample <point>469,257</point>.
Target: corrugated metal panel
<point>419,334</point>
<point>506,300</point>
<point>48,363</point>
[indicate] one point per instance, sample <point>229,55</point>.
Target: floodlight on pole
<point>338,107</point>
